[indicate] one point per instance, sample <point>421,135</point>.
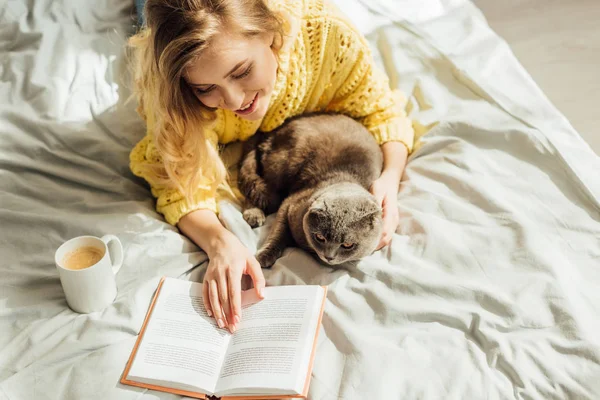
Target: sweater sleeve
<point>364,92</point>
<point>169,201</point>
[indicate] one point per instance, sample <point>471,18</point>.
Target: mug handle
<point>118,257</point>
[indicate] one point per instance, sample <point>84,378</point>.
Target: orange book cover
<point>198,395</point>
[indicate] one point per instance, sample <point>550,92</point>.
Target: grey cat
<point>317,170</point>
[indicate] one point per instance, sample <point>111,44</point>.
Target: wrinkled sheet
<point>490,289</point>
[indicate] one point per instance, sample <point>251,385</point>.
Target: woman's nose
<point>232,98</point>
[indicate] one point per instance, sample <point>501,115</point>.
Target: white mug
<point>93,288</point>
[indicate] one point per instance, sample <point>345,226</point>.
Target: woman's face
<point>236,73</point>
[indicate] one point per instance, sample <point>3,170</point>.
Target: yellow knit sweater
<point>325,65</point>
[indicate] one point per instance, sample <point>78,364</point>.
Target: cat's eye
<point>347,246</point>
<point>319,237</point>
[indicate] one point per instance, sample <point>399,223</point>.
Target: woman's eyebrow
<point>198,84</point>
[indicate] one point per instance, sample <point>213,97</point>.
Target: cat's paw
<point>266,258</point>
<point>255,217</point>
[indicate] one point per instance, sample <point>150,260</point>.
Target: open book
<point>181,350</point>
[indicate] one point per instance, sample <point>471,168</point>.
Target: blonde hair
<point>176,32</point>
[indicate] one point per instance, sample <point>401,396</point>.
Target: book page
<point>182,347</point>
<point>270,350</point>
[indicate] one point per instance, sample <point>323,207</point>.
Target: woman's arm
<point>365,95</point>
<point>394,160</point>
<point>229,259</point>
<point>385,189</point>
<point>204,228</point>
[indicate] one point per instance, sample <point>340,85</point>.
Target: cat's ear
<point>372,212</point>
<point>317,207</point>
<point>368,215</point>
<point>316,210</point>
<point>371,208</point>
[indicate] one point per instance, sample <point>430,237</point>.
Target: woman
<point>211,72</point>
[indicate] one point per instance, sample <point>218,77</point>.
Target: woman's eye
<point>347,245</point>
<point>243,74</point>
<point>204,90</point>
<point>319,237</point>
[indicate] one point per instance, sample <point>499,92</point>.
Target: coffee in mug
<point>83,257</point>
<point>87,266</point>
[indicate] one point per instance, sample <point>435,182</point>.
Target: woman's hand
<point>222,289</point>
<point>229,261</point>
<point>385,190</point>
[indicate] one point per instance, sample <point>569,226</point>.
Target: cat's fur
<point>317,169</point>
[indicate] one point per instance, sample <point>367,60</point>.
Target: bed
<point>490,288</point>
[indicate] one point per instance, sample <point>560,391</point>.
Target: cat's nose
<point>329,258</point>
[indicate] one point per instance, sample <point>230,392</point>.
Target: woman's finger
<point>205,298</point>
<point>388,226</point>
<point>224,300</point>
<point>394,216</point>
<point>213,291</point>
<point>384,207</point>
<point>235,295</point>
<point>224,317</point>
<point>255,271</point>
<point>384,241</point>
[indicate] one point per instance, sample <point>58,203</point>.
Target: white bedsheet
<point>490,289</point>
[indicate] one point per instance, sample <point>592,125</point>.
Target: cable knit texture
<point>325,65</point>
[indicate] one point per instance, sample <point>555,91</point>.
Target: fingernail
<point>220,323</point>
<point>262,292</point>
<point>232,329</point>
<point>236,319</point>
<point>209,313</point>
